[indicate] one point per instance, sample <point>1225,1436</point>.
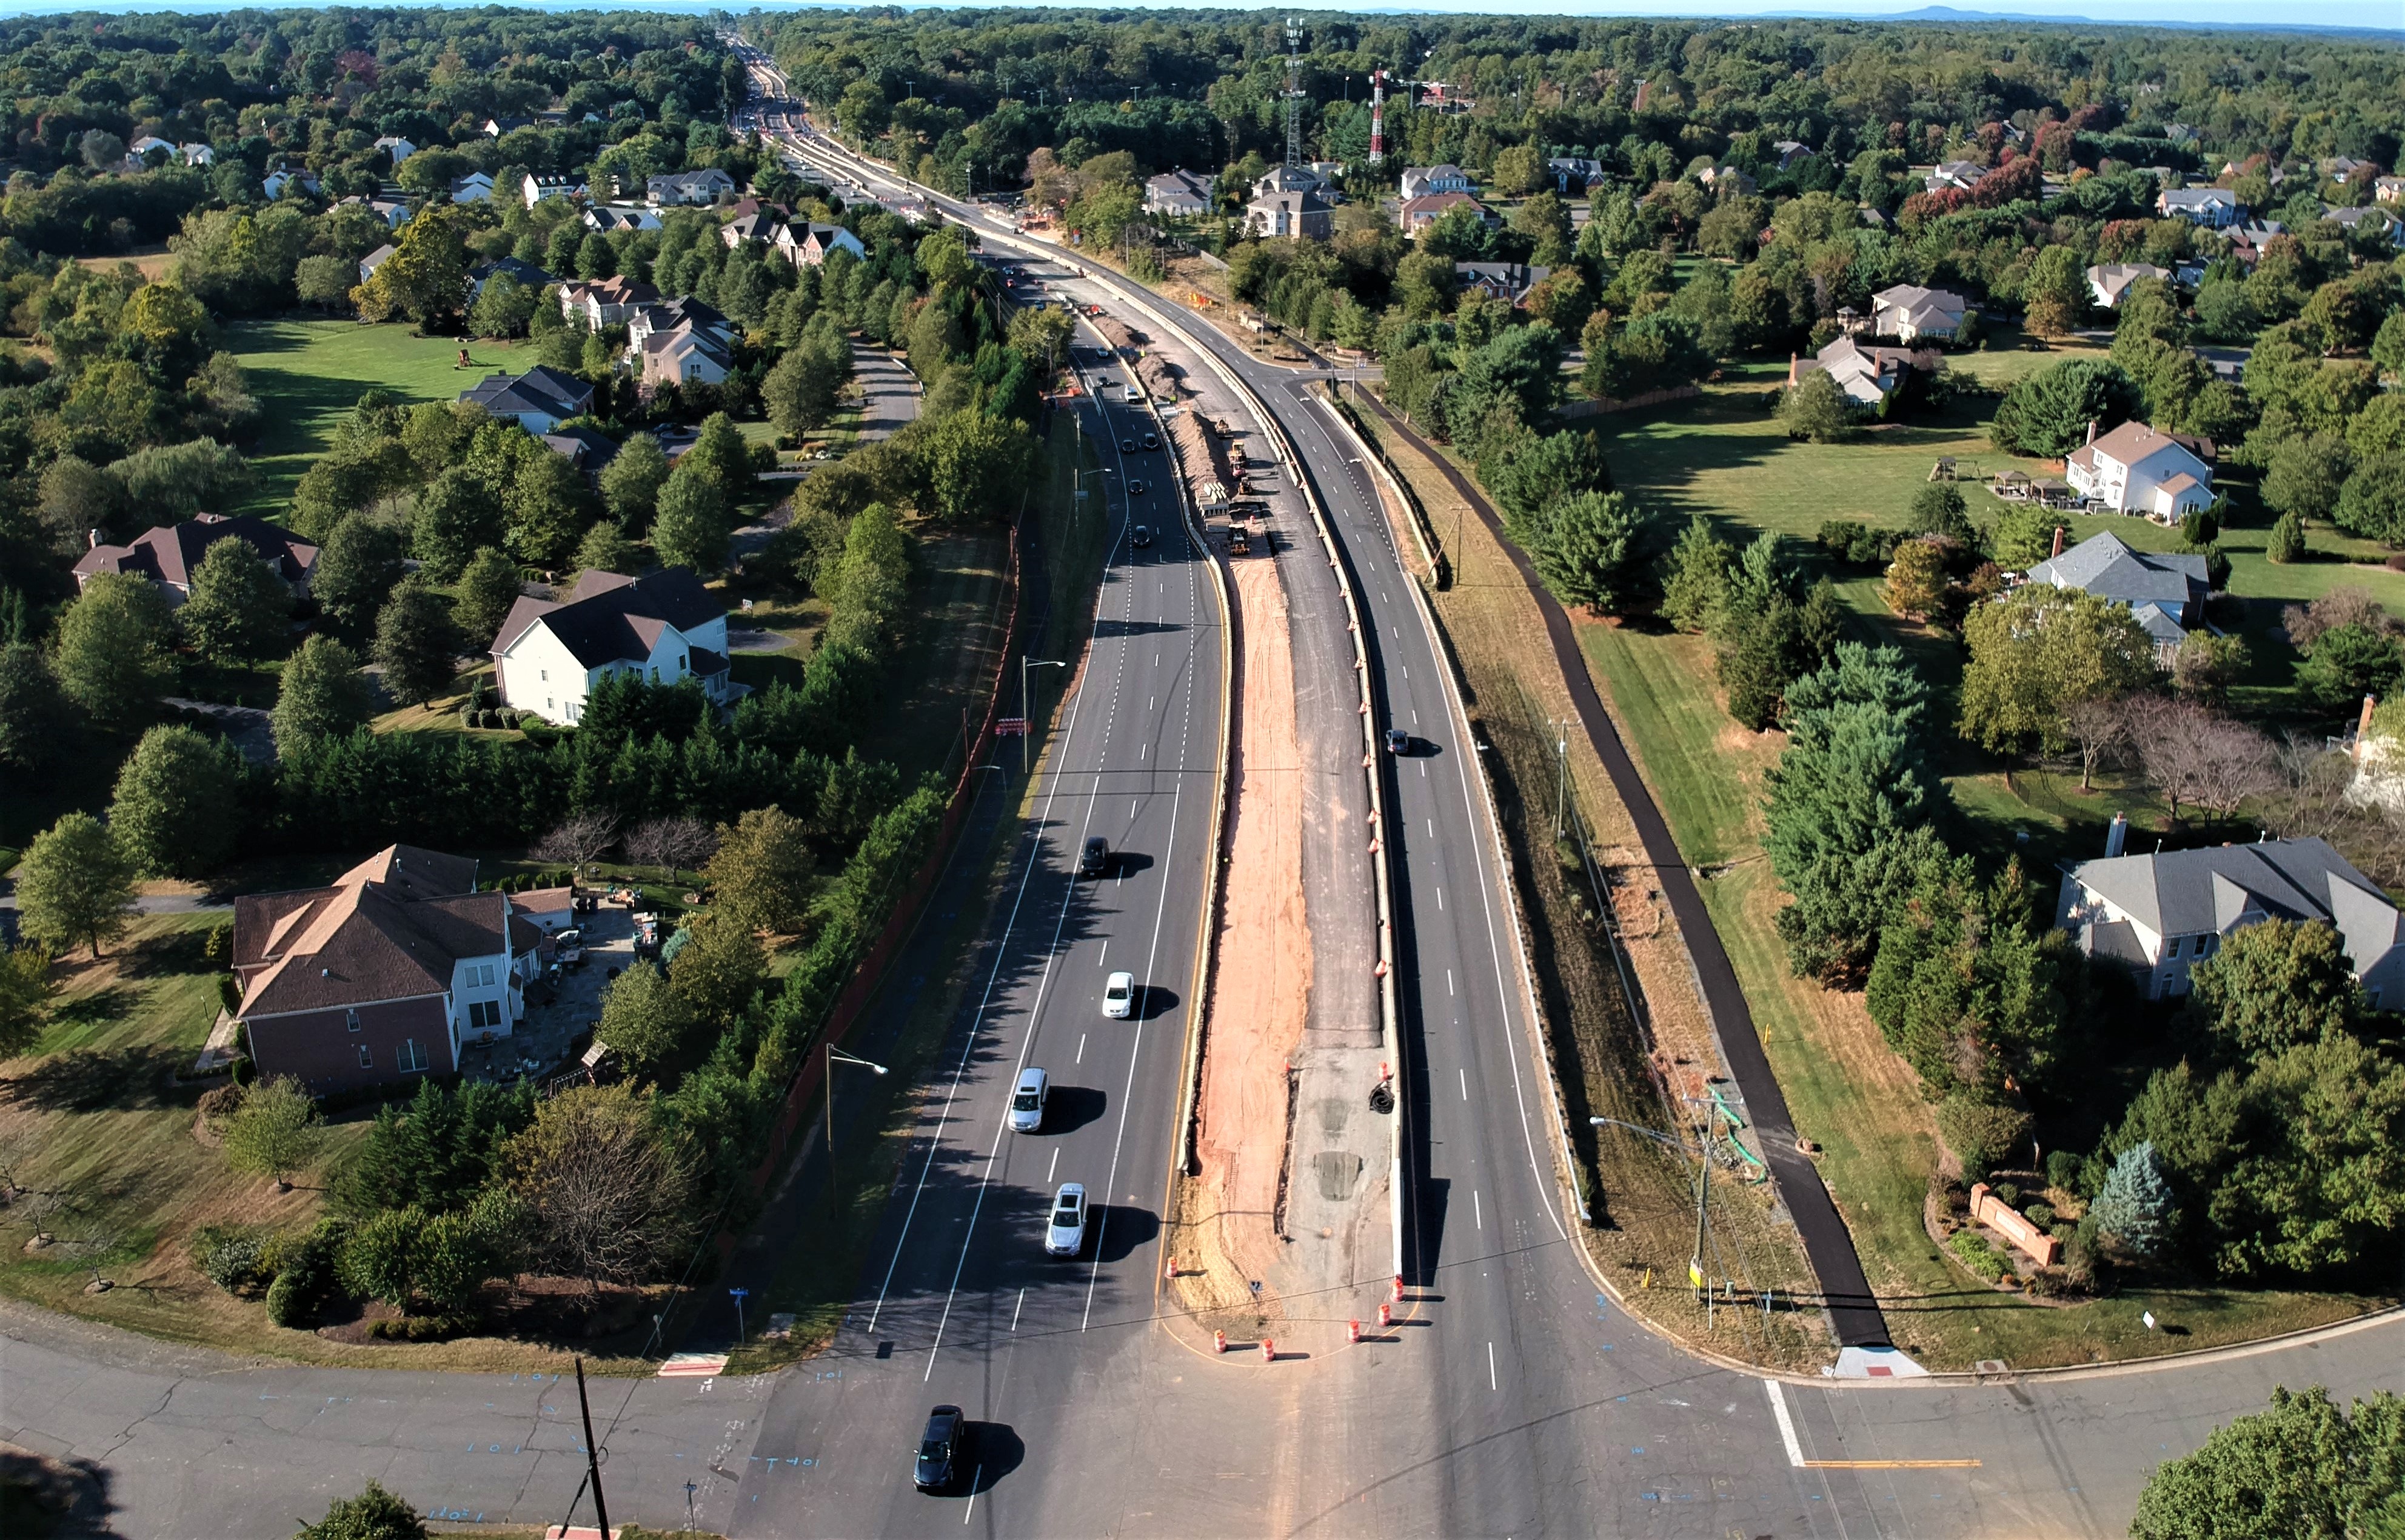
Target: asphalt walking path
<point>1846,1292</point>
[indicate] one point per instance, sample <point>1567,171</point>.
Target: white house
<point>2135,470</point>
<point>1427,181</point>
<point>538,401</point>
<point>2215,208</point>
<point>1961,174</point>
<point>275,184</point>
<point>397,147</point>
<point>542,190</point>
<point>136,151</point>
<point>197,154</point>
<point>1908,312</point>
<point>662,627</point>
<point>610,217</point>
<point>689,186</point>
<point>814,246</point>
<point>2108,281</point>
<point>475,188</point>
<point>2158,915</point>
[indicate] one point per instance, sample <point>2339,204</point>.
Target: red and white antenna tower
<point>1377,117</point>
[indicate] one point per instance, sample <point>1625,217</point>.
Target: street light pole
<point>833,1054</point>
<point>1026,708</point>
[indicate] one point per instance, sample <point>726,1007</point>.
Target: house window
<point>2175,947</point>
<point>544,674</point>
<point>484,1013</point>
<point>367,1056</point>
<point>351,1019</point>
<point>413,1056</point>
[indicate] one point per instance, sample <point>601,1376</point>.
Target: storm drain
<point>1339,1169</point>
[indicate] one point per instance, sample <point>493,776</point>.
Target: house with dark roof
<point>2214,208</point>
<point>1425,181</point>
<point>2164,591</point>
<point>385,974</point>
<point>1510,282</point>
<point>1179,194</point>
<point>661,628</point>
<point>169,554</point>
<point>587,449</point>
<point>2136,470</point>
<point>1417,214</point>
<point>813,246</point>
<point>689,186</point>
<point>683,313</point>
<point>1291,203</point>
<point>538,401</point>
<point>2158,915</point>
<point>606,304</point>
<point>1867,375</point>
<point>760,226</point>
<point>527,274</point>
<point>683,355</point>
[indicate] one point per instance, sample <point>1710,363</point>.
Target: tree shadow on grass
<point>129,1079</point>
<point>174,952</point>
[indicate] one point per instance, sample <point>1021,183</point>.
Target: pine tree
<point>1699,577</point>
<point>2287,541</point>
<point>1587,552</point>
<point>2137,1206</point>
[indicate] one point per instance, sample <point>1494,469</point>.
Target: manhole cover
<point>1337,1170</point>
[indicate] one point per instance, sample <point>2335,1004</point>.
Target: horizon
<point>2383,18</point>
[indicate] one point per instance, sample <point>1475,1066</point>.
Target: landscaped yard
<point>307,373</point>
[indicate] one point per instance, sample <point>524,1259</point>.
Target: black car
<point>1141,535</point>
<point>940,1448</point>
<point>1398,742</point>
<point>1152,441</point>
<point>1096,858</point>
<point>1136,486</point>
<point>1127,447</point>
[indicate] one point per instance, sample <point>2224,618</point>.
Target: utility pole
<point>592,1452</point>
<point>1026,712</point>
<point>1703,1192</point>
<point>835,1193</point>
<point>1561,777</point>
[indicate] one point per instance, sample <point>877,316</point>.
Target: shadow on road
<point>1070,1108</point>
<point>994,1453</point>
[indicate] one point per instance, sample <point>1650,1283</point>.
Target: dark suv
<point>1096,858</point>
<point>940,1448</point>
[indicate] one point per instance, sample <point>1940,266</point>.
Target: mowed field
<point>307,373</point>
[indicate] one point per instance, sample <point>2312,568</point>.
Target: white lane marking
<point>1081,1048</point>
<point>1023,1293</point>
<point>1055,1167</point>
<point>1439,900</point>
<point>1464,1073</point>
<point>1416,721</point>
<point>1490,1368</point>
<point>1448,983</point>
<point>1422,768</point>
<point>1105,960</point>
<point>1786,1424</point>
<point>1431,823</point>
<point>1152,703</point>
<point>1143,751</point>
<point>1477,1208</point>
<point>979,1475</point>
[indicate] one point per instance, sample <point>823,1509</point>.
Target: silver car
<point>1027,1101</point>
<point>1066,1236</point>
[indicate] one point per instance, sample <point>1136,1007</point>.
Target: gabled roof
<point>169,553</point>
<point>2134,443</point>
<point>524,273</point>
<point>2191,892</point>
<point>2102,566</point>
<point>541,389</point>
<point>413,872</point>
<point>611,619</point>
<point>391,927</point>
<point>587,449</point>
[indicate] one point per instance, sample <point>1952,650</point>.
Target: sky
<point>2387,14</point>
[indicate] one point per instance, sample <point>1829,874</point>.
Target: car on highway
<point>1027,1101</point>
<point>1152,441</point>
<point>1095,859</point>
<point>1118,996</point>
<point>1066,1236</point>
<point>1127,447</point>
<point>940,1448</point>
<point>1398,741</point>
<point>1141,535</point>
<point>1136,486</point>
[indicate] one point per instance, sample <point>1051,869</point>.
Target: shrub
<point>1972,1249</point>
<point>230,1258</point>
<point>2063,1169</point>
<point>306,1274</point>
<point>2010,1191</point>
<point>2041,1215</point>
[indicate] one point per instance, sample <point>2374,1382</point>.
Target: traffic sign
<point>1011,727</point>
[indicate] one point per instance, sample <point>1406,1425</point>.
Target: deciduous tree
<point>2038,654</point>
<point>2304,1466</point>
<point>489,587</point>
<point>359,562</point>
<point>175,813</point>
<point>112,658</point>
<point>274,1133</point>
<point>761,873</point>
<point>239,609</point>
<point>631,481</point>
<point>417,644</point>
<point>76,885</point>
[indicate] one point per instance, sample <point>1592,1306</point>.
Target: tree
<point>415,644</point>
<point>425,279</point>
<point>374,1514</point>
<point>1817,410</point>
<point>1917,579</point>
<point>603,549</point>
<point>1938,508</point>
<point>456,516</point>
<point>32,710</point>
<point>1699,575</point>
<point>546,507</point>
<point>645,1022</point>
<point>112,658</point>
<point>2049,414</point>
<point>2347,663</point>
<point>2095,729</point>
<point>612,1201</point>
<point>720,454</point>
<point>975,467</point>
<point>718,969</point>
<point>2373,502</point>
<point>77,499</point>
<point>1591,549</point>
<point>671,844</point>
<point>2304,1467</point>
<point>580,840</point>
<point>2040,653</point>
<point>692,529</point>
<point>323,694</point>
<point>2274,985</point>
<point>274,1133</point>
<point>869,581</point>
<point>801,390</point>
<point>503,309</point>
<point>359,562</point>
<point>76,885</point>
<point>175,810</point>
<point>324,282</point>
<point>489,588</point>
<point>2137,1207</point>
<point>631,481</point>
<point>2286,543</point>
<point>431,1263</point>
<point>2205,665</point>
<point>26,990</point>
<point>2195,757</point>
<point>2056,293</point>
<point>239,607</point>
<point>761,873</point>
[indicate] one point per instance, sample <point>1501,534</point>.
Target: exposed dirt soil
<point>1261,982</point>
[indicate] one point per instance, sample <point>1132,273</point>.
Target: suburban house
<point>2215,208</point>
<point>385,973</point>
<point>1790,151</point>
<point>475,188</point>
<point>2165,593</point>
<point>2344,166</point>
<point>526,274</point>
<point>1961,174</point>
<point>544,190</point>
<point>2370,218</point>
<point>392,211</point>
<point>608,303</point>
<point>2158,914</point>
<point>1909,314</point>
<point>1425,181</point>
<point>1509,282</point>
<point>757,227</point>
<point>1289,202</point>
<point>1719,179</point>
<point>137,153</point>
<point>1572,173</point>
<point>664,627</point>
<point>275,184</point>
<point>397,147</point>
<point>495,127</point>
<point>2108,281</point>
<point>608,219</point>
<point>375,260</point>
<point>168,555</point>
<point>1179,194</point>
<point>683,355</point>
<point>2388,190</point>
<point>538,401</point>
<point>2135,470</point>
<point>1867,375</point>
<point>587,449</point>
<point>815,245</point>
<point>1417,214</point>
<point>682,313</point>
<point>689,186</point>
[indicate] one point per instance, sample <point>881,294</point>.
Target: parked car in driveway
<point>1066,1236</point>
<point>1118,996</point>
<point>568,948</point>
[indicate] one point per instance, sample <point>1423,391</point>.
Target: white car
<point>1118,996</point>
<point>1066,1236</point>
<point>1027,1101</point>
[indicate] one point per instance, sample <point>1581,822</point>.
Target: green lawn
<point>307,373</point>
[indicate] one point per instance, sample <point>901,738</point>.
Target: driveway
<point>542,1039</point>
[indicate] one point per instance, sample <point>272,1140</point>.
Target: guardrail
<point>1438,560</point>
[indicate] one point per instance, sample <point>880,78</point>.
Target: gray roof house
<point>2212,207</point>
<point>2156,915</point>
<point>539,401</point>
<point>2166,592</point>
<point>1179,194</point>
